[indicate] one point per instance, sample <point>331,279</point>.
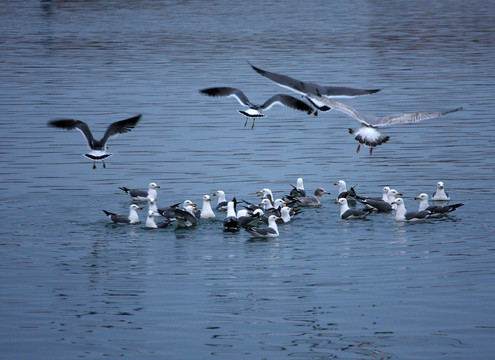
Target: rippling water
<point>75,286</point>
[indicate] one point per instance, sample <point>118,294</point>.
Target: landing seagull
<point>98,147</point>
<point>256,111</point>
<point>368,134</point>
<point>307,89</point>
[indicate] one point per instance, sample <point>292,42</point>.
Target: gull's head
<point>153,186</point>
<point>398,201</point>
<point>151,200</point>
<point>135,207</point>
<point>187,203</point>
<point>219,193</point>
<point>440,185</point>
<point>393,192</point>
<point>279,203</point>
<point>341,201</point>
<point>422,196</point>
<point>150,213</point>
<point>273,218</point>
<point>320,192</point>
<point>265,202</point>
<point>300,184</point>
<point>340,183</point>
<point>386,189</point>
<point>206,197</point>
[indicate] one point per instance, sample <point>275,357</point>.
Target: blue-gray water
<point>75,286</point>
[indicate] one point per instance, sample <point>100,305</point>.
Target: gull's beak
<point>193,204</point>
<point>260,204</point>
<point>158,186</point>
<point>214,194</point>
<point>337,202</point>
<point>335,183</point>
<point>279,218</point>
<point>326,192</point>
<point>394,202</point>
<point>140,208</point>
<point>417,198</point>
<point>400,194</point>
<point>259,193</point>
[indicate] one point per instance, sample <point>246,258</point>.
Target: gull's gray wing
<point>346,109</point>
<point>120,127</point>
<point>226,92</point>
<point>307,88</point>
<point>409,118</point>
<point>71,124</point>
<point>288,101</point>
<point>384,121</point>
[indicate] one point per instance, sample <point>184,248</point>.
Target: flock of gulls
<point>262,218</point>
<point>318,98</point>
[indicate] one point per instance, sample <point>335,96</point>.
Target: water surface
<point>75,286</point>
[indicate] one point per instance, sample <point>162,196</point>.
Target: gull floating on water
<point>435,210</point>
<point>256,111</point>
<point>150,221</point>
<point>368,134</point>
<point>185,217</point>
<point>310,200</point>
<point>348,213</point>
<point>269,231</point>
<point>308,89</point>
<point>142,195</point>
<point>222,200</point>
<point>344,193</point>
<point>403,215</point>
<point>440,194</point>
<point>206,211</point>
<point>298,190</point>
<point>132,218</point>
<point>98,147</point>
<point>380,205</point>
<point>231,222</point>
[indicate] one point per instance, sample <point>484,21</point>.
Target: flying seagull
<point>368,133</point>
<point>256,111</point>
<point>98,147</point>
<point>308,89</point>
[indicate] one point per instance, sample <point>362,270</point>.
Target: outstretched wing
<point>409,118</point>
<point>71,124</point>
<point>346,109</point>
<point>288,101</point>
<point>120,127</point>
<point>307,88</point>
<point>226,92</point>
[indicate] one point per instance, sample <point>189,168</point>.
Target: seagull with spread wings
<point>256,111</point>
<point>368,133</point>
<point>98,147</point>
<point>307,88</point>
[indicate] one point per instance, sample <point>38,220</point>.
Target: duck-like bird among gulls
<point>98,147</point>
<point>368,133</point>
<point>256,111</point>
